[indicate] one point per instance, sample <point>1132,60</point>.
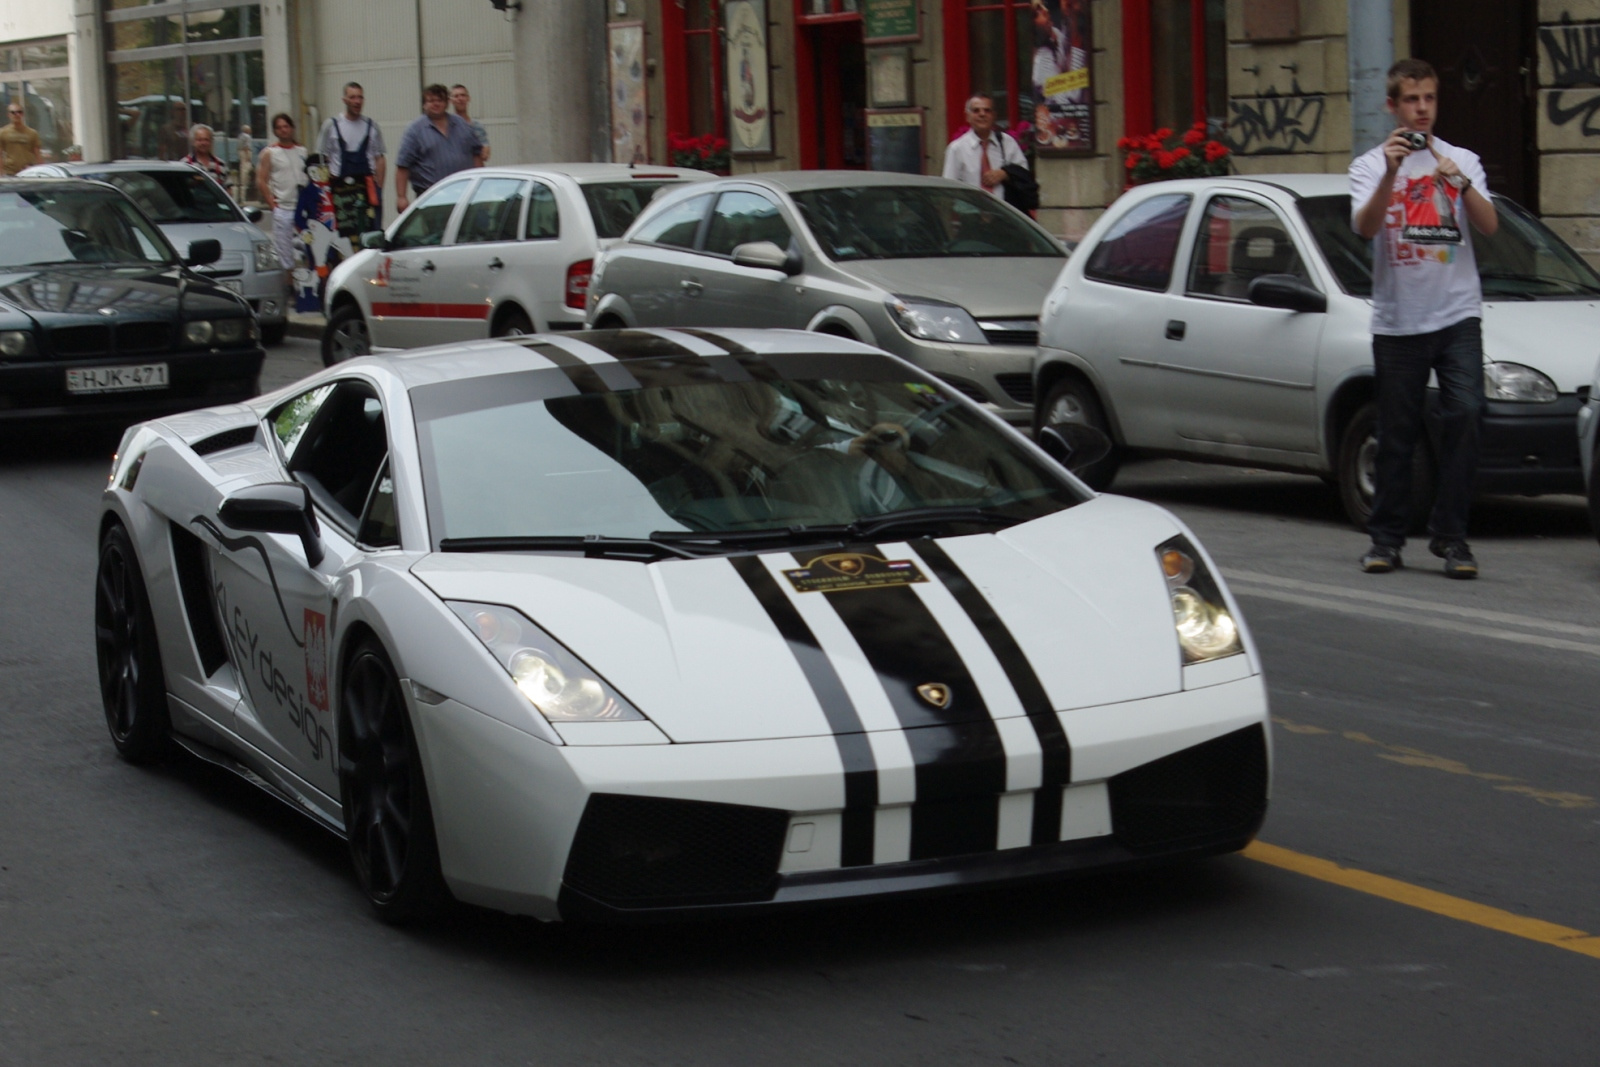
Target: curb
<point>305,326</point>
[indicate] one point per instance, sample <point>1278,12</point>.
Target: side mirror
<point>276,507</point>
<point>374,239</point>
<point>765,255</point>
<point>206,250</point>
<point>1287,292</point>
<point>253,214</point>
<point>1074,445</point>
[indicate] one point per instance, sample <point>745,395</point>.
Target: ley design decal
<point>841,572</point>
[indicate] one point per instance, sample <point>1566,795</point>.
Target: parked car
<point>99,316</point>
<point>613,624</point>
<point>937,272</point>
<point>490,252</point>
<point>1227,319</point>
<point>189,206</point>
<point>1589,448</point>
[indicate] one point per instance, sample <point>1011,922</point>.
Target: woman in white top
<point>280,172</point>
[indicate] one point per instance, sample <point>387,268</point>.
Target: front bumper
<point>1530,449</point>
<point>998,376</point>
<point>646,832</point>
<point>38,390</point>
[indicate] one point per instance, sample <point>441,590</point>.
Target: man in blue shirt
<point>435,146</point>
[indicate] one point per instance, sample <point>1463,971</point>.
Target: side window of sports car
<point>341,453</point>
<point>380,524</point>
<point>289,422</point>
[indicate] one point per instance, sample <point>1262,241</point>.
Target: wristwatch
<point>1459,181</point>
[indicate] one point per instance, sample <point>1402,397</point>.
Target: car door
<point>1236,373</point>
<point>652,269</point>
<point>475,267</point>
<point>722,293</point>
<point>406,314</point>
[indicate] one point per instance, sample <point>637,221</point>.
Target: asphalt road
<point>1442,734</point>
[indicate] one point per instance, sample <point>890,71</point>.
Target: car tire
<point>1594,493</point>
<point>1073,400</point>
<point>513,323</point>
<point>388,820</point>
<point>1358,450</point>
<point>345,336</point>
<point>274,334</point>
<point>132,687</point>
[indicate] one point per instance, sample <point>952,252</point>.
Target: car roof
<point>802,180</point>
<point>583,173</point>
<point>121,164</point>
<point>50,181</point>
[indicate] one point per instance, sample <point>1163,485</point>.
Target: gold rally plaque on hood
<point>841,572</point>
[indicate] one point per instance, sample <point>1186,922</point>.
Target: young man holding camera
<point>1411,197</point>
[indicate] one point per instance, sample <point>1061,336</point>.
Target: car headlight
<point>266,256</point>
<point>14,343</point>
<point>198,332</point>
<point>1513,381</point>
<point>1206,629</point>
<point>557,683</point>
<point>232,331</point>
<point>935,320</point>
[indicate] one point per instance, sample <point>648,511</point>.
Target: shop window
<point>35,74</point>
<point>1000,56</point>
<point>692,59</point>
<point>1174,64</point>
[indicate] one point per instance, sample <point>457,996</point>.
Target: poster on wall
<point>748,80</point>
<point>630,138</point>
<point>1063,112</point>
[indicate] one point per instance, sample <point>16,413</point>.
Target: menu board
<point>890,20</point>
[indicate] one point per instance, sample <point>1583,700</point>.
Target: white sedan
<point>632,623</point>
<point>488,252</point>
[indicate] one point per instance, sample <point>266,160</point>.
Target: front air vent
<point>1216,790</point>
<point>970,390</point>
<point>194,586</point>
<point>221,442</point>
<point>81,340</point>
<point>1018,387</point>
<point>134,337</point>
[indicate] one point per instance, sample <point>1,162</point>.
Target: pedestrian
<point>978,155</point>
<point>351,145</point>
<point>280,172</point>
<point>460,99</point>
<point>19,142</point>
<point>436,145</point>
<point>201,139</point>
<point>1408,196</point>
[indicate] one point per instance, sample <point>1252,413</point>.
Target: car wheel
<point>388,821</point>
<point>131,684</point>
<point>1594,493</point>
<point>1072,400</point>
<point>345,336</point>
<point>514,323</point>
<point>1357,473</point>
<point>274,334</point>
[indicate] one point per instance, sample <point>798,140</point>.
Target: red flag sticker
<point>316,634</point>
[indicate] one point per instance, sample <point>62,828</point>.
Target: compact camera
<point>1417,141</point>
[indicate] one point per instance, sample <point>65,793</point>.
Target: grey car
<point>940,273</point>
<point>189,206</point>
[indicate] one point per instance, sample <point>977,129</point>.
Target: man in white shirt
<point>1412,197</point>
<point>977,156</point>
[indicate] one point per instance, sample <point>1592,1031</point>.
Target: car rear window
<point>1140,247</point>
<point>614,205</point>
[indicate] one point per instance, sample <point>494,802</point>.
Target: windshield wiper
<point>646,549</point>
<point>859,530</point>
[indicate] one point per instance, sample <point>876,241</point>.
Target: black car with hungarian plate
<point>100,317</point>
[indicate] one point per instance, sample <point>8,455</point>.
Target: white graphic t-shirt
<point>1424,275</point>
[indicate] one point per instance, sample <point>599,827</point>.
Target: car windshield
<point>1523,260</point>
<point>614,205</point>
<point>790,442</point>
<point>57,224</point>
<point>173,195</point>
<point>918,222</point>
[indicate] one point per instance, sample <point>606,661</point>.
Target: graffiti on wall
<point>1274,123</point>
<point>1574,53</point>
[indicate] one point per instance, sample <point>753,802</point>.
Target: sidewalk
<point>306,324</point>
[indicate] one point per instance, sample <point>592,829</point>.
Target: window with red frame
<point>999,43</point>
<point>1174,64</point>
<point>692,65</point>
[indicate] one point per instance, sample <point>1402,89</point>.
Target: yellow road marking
<point>1426,899</point>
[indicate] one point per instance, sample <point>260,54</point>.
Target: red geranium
<point>1156,156</point>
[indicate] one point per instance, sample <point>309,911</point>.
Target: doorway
<point>837,64</point>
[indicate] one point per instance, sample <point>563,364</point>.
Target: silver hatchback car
<point>189,206</point>
<point>940,273</point>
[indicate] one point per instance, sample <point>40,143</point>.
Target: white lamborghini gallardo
<point>646,623</point>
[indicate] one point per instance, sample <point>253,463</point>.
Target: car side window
<point>1140,247</point>
<point>341,452</point>
<point>677,226</point>
<point>290,421</point>
<point>425,226</point>
<point>742,217</point>
<point>544,217</point>
<point>1239,241</point>
<point>493,211</point>
<point>380,522</point>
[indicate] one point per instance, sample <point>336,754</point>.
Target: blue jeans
<point>1455,355</point>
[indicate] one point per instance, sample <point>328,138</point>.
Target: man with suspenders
<point>352,146</point>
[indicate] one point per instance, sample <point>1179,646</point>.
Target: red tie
<point>983,175</point>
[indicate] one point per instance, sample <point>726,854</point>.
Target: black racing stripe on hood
<point>855,751</point>
<point>959,757</point>
<point>1056,751</point>
<point>588,377</point>
<point>750,363</point>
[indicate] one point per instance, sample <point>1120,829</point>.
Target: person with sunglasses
<point>19,143</point>
<point>979,156</point>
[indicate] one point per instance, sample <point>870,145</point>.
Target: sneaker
<point>1381,559</point>
<point>1458,561</point>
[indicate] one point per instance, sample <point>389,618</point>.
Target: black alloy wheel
<point>1073,400</point>
<point>513,323</point>
<point>1357,472</point>
<point>132,687</point>
<point>388,821</point>
<point>345,336</point>
<point>1594,492</point>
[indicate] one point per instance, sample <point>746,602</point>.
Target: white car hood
<point>1558,337</point>
<point>690,644</point>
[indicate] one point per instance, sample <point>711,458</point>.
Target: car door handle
<point>495,264</point>
<point>427,266</point>
<point>693,288</point>
<point>1175,329</point>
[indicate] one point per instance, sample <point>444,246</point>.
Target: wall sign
<point>885,21</point>
<point>894,141</point>
<point>889,77</point>
<point>1063,117</point>
<point>748,77</point>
